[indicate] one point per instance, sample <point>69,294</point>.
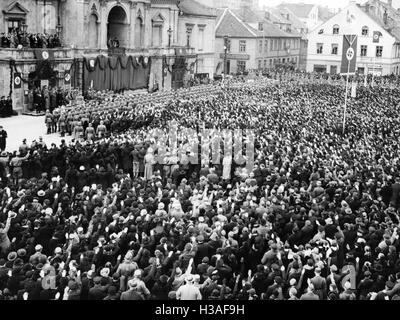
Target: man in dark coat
<point>3,138</point>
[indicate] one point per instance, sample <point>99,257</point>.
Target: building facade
<point>379,57</point>
<point>253,43</point>
<point>308,14</point>
<point>158,29</point>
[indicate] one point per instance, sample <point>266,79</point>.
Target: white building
<point>325,43</point>
<point>306,13</point>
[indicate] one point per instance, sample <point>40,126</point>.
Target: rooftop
<point>301,10</point>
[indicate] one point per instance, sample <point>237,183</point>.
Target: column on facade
<point>132,12</point>
<point>176,27</point>
<point>147,25</point>
<point>103,27</point>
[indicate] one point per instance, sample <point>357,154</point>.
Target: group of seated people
<point>150,212</point>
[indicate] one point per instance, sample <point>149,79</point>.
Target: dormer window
<point>335,29</point>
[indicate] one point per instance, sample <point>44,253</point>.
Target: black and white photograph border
<point>202,157</point>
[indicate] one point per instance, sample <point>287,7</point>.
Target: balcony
<point>29,53</point>
<point>60,54</point>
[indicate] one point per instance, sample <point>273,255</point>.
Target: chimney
<point>367,7</point>
<point>385,18</point>
<point>267,16</point>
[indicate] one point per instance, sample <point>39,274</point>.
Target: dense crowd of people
<point>17,38</point>
<point>128,215</point>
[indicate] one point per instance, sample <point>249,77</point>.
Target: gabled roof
<point>15,8</point>
<point>275,15</point>
<point>394,32</point>
<point>193,7</point>
<point>393,26</point>
<point>294,20</point>
<point>230,25</point>
<point>324,13</point>
<point>301,10</point>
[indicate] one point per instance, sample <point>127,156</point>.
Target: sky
<point>329,3</point>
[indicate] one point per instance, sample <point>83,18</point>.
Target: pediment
<point>15,8</point>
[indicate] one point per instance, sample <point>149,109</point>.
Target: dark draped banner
<point>116,73</point>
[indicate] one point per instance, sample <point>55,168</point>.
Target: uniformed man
<point>89,133</point>
<point>3,138</point>
<point>49,121</point>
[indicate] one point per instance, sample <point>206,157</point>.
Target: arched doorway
<point>93,31</point>
<point>117,27</point>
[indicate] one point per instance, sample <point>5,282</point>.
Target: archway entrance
<point>117,31</point>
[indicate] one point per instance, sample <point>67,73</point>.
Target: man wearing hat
<point>97,292</point>
<point>132,293</point>
<point>188,291</point>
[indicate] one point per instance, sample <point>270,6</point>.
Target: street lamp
<point>59,29</point>
<point>169,36</point>
<point>24,27</point>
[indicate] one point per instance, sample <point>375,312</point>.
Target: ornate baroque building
<point>177,37</point>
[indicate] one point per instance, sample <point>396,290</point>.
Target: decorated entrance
<point>178,73</point>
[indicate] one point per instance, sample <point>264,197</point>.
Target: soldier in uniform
<point>62,124</point>
<point>89,132</point>
<point>3,139</point>
<point>56,116</point>
<point>49,121</point>
<point>78,131</point>
<point>101,130</point>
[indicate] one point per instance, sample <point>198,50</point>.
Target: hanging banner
<point>17,80</point>
<point>43,54</point>
<point>349,54</point>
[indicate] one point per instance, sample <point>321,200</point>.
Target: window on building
<point>320,47</point>
<point>13,25</point>
<point>334,48</point>
<point>265,64</point>
<point>157,36</point>
<point>260,46</point>
<point>242,46</point>
<point>364,31</point>
<point>379,50</point>
<point>335,29</point>
<point>266,45</point>
<point>321,31</point>
<point>363,51</point>
<point>270,62</point>
<point>259,64</point>
<point>283,60</point>
<point>241,66</point>
<point>201,38</point>
<point>272,45</point>
<point>260,26</point>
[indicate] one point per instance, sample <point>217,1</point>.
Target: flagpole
<point>345,97</point>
